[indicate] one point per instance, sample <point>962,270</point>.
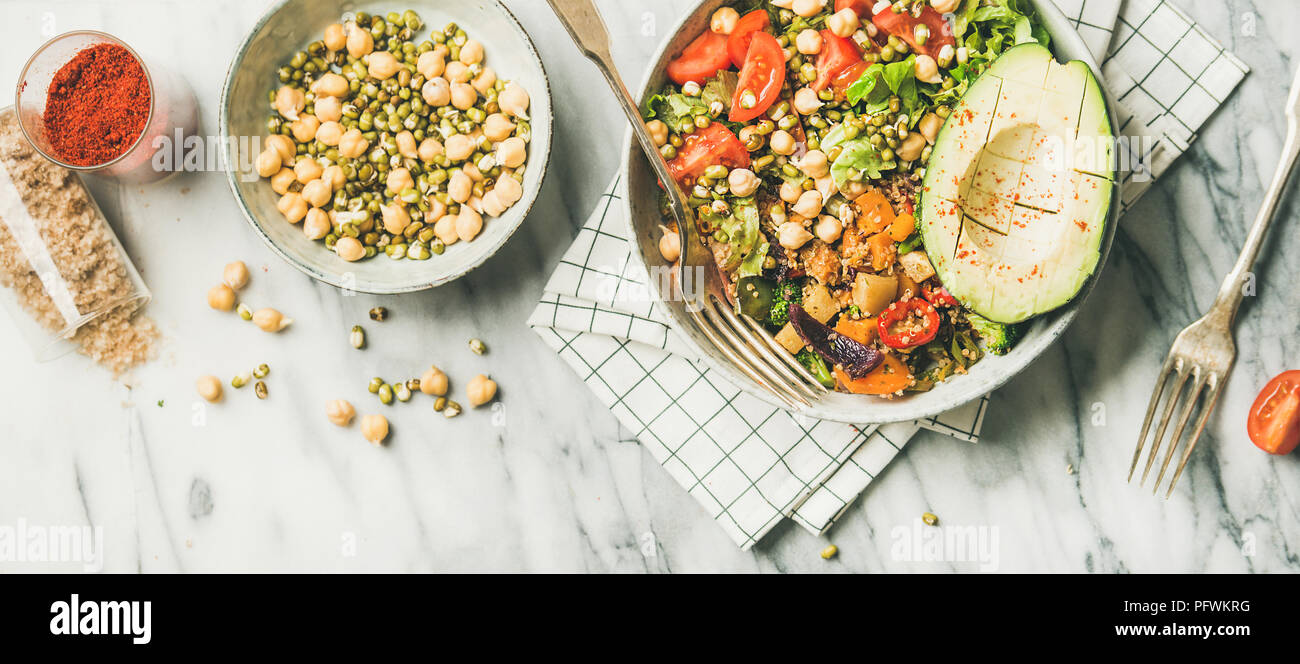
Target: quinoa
<point>81,247</point>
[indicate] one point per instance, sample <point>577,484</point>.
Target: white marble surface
<point>553,483</point>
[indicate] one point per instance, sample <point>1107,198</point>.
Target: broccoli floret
<point>998,338</point>
<point>790,291</point>
<point>780,313</point>
<point>816,366</point>
<point>786,294</point>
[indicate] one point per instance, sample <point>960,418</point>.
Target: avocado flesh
<point>1017,190</point>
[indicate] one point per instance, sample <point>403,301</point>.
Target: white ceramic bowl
<point>288,27</point>
<point>641,192</point>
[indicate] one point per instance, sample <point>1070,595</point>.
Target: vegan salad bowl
<point>914,197</point>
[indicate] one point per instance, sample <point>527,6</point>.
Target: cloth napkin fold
<point>750,465</point>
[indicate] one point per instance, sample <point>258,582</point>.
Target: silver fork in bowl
<point>699,282</point>
<point>1203,353</point>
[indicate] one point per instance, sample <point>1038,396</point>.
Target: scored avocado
<point>1016,193</point>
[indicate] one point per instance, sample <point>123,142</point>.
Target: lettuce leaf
<point>858,155</point>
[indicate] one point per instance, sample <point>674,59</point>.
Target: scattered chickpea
<point>268,163</point>
<point>335,37</point>
<point>289,102</point>
<point>807,8</point>
<point>793,235</point>
<point>352,144</point>
<point>334,176</point>
<point>317,193</point>
<point>463,96</point>
<point>304,128</point>
<point>806,101</point>
<point>929,126</point>
<point>460,187</point>
<point>281,181</point>
<point>317,224</point>
<point>399,179</point>
<point>658,131</point>
<point>843,23</point>
<point>670,245</point>
<point>809,204</point>
<point>395,218</point>
<point>509,191</point>
<point>331,85</point>
<point>480,390</point>
<point>445,229</point>
<point>912,146</point>
<point>406,145</point>
<point>209,388</point>
<point>724,21</point>
<point>927,69</point>
<point>782,142</point>
<point>456,72</point>
<point>472,52</point>
<point>374,428</point>
<point>340,412</point>
<point>815,164</point>
<point>283,146</point>
<point>328,109</point>
<point>790,192</point>
<point>434,382</point>
<point>330,132</point>
<point>382,65</point>
<point>271,320</point>
<point>235,275</point>
<point>468,224</point>
<point>512,152</point>
<point>830,552</point>
<point>292,206</point>
<point>359,42</point>
<point>349,249</point>
<point>485,81</point>
<point>498,127</point>
<point>944,6</point>
<point>431,64</point>
<point>430,148</point>
<point>221,298</point>
<point>514,100</point>
<point>809,42</point>
<point>828,228</point>
<point>459,147</point>
<point>307,169</point>
<point>743,182</point>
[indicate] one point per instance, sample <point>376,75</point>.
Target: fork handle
<point>1232,291</point>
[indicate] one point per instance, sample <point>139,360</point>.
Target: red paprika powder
<point>97,105</point>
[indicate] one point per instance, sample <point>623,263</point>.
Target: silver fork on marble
<point>741,340</point>
<point>1203,353</point>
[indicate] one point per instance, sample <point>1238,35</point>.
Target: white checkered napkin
<point>1095,21</point>
<point>748,464</point>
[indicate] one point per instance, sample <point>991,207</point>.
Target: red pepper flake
<point>97,105</point>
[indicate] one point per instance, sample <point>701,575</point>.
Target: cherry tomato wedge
<point>701,59</point>
<point>861,7</point>
<point>903,26</point>
<point>714,144</point>
<point>837,55</point>
<point>1274,422</point>
<point>748,25</point>
<point>845,79</point>
<point>917,323</point>
<point>760,79</point>
<point>937,295</point>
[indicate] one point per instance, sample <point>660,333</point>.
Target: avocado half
<point>1015,197</point>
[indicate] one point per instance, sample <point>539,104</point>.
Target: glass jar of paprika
<point>91,104</point>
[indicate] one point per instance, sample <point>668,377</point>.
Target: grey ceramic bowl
<point>641,194</point>
<point>288,27</point>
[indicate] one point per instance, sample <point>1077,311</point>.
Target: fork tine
<point>1211,399</point>
<point>706,326</point>
<point>1164,419</point>
<point>767,346</point>
<point>1151,411</point>
<point>713,312</point>
<point>1193,398</point>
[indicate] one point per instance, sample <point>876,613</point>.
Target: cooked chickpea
<point>330,85</point>
<point>512,152</point>
<point>809,42</point>
<point>289,102</point>
<point>485,80</point>
<point>283,145</point>
<point>281,181</point>
<point>724,21</point>
<point>807,8</point>
<point>399,179</point>
<point>360,43</point>
<point>268,163</point>
<point>815,164</point>
<point>434,382</point>
<point>209,388</point>
<point>307,169</point>
<point>395,218</point>
<point>352,144</point>
<point>927,69</point>
<point>929,126</point>
<point>457,72</point>
<point>498,127</point>
<point>460,187</point>
<point>235,275</point>
<point>492,205</point>
<point>317,224</point>
<point>334,176</point>
<point>445,229</point>
<point>790,192</point>
<point>221,298</point>
<point>843,23</point>
<point>374,428</point>
<point>806,101</point>
<point>463,96</point>
<point>330,133</point>
<point>436,92</point>
<point>912,146</point>
<point>292,206</point>
<point>658,131</point>
<point>270,320</point>
<point>670,245</point>
<point>944,6</point>
<point>514,100</point>
<point>459,147</point>
<point>340,412</point>
<point>431,64</point>
<point>349,249</point>
<point>468,223</point>
<point>828,228</point>
<point>317,193</point>
<point>382,65</point>
<point>304,128</point>
<point>429,149</point>
<point>406,145</point>
<point>336,39</point>
<point>809,204</point>
<point>472,52</point>
<point>782,142</point>
<point>742,182</point>
<point>508,190</point>
<point>792,235</point>
<point>480,390</point>
<point>328,109</point>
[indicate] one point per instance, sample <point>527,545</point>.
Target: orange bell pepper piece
<point>891,376</point>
